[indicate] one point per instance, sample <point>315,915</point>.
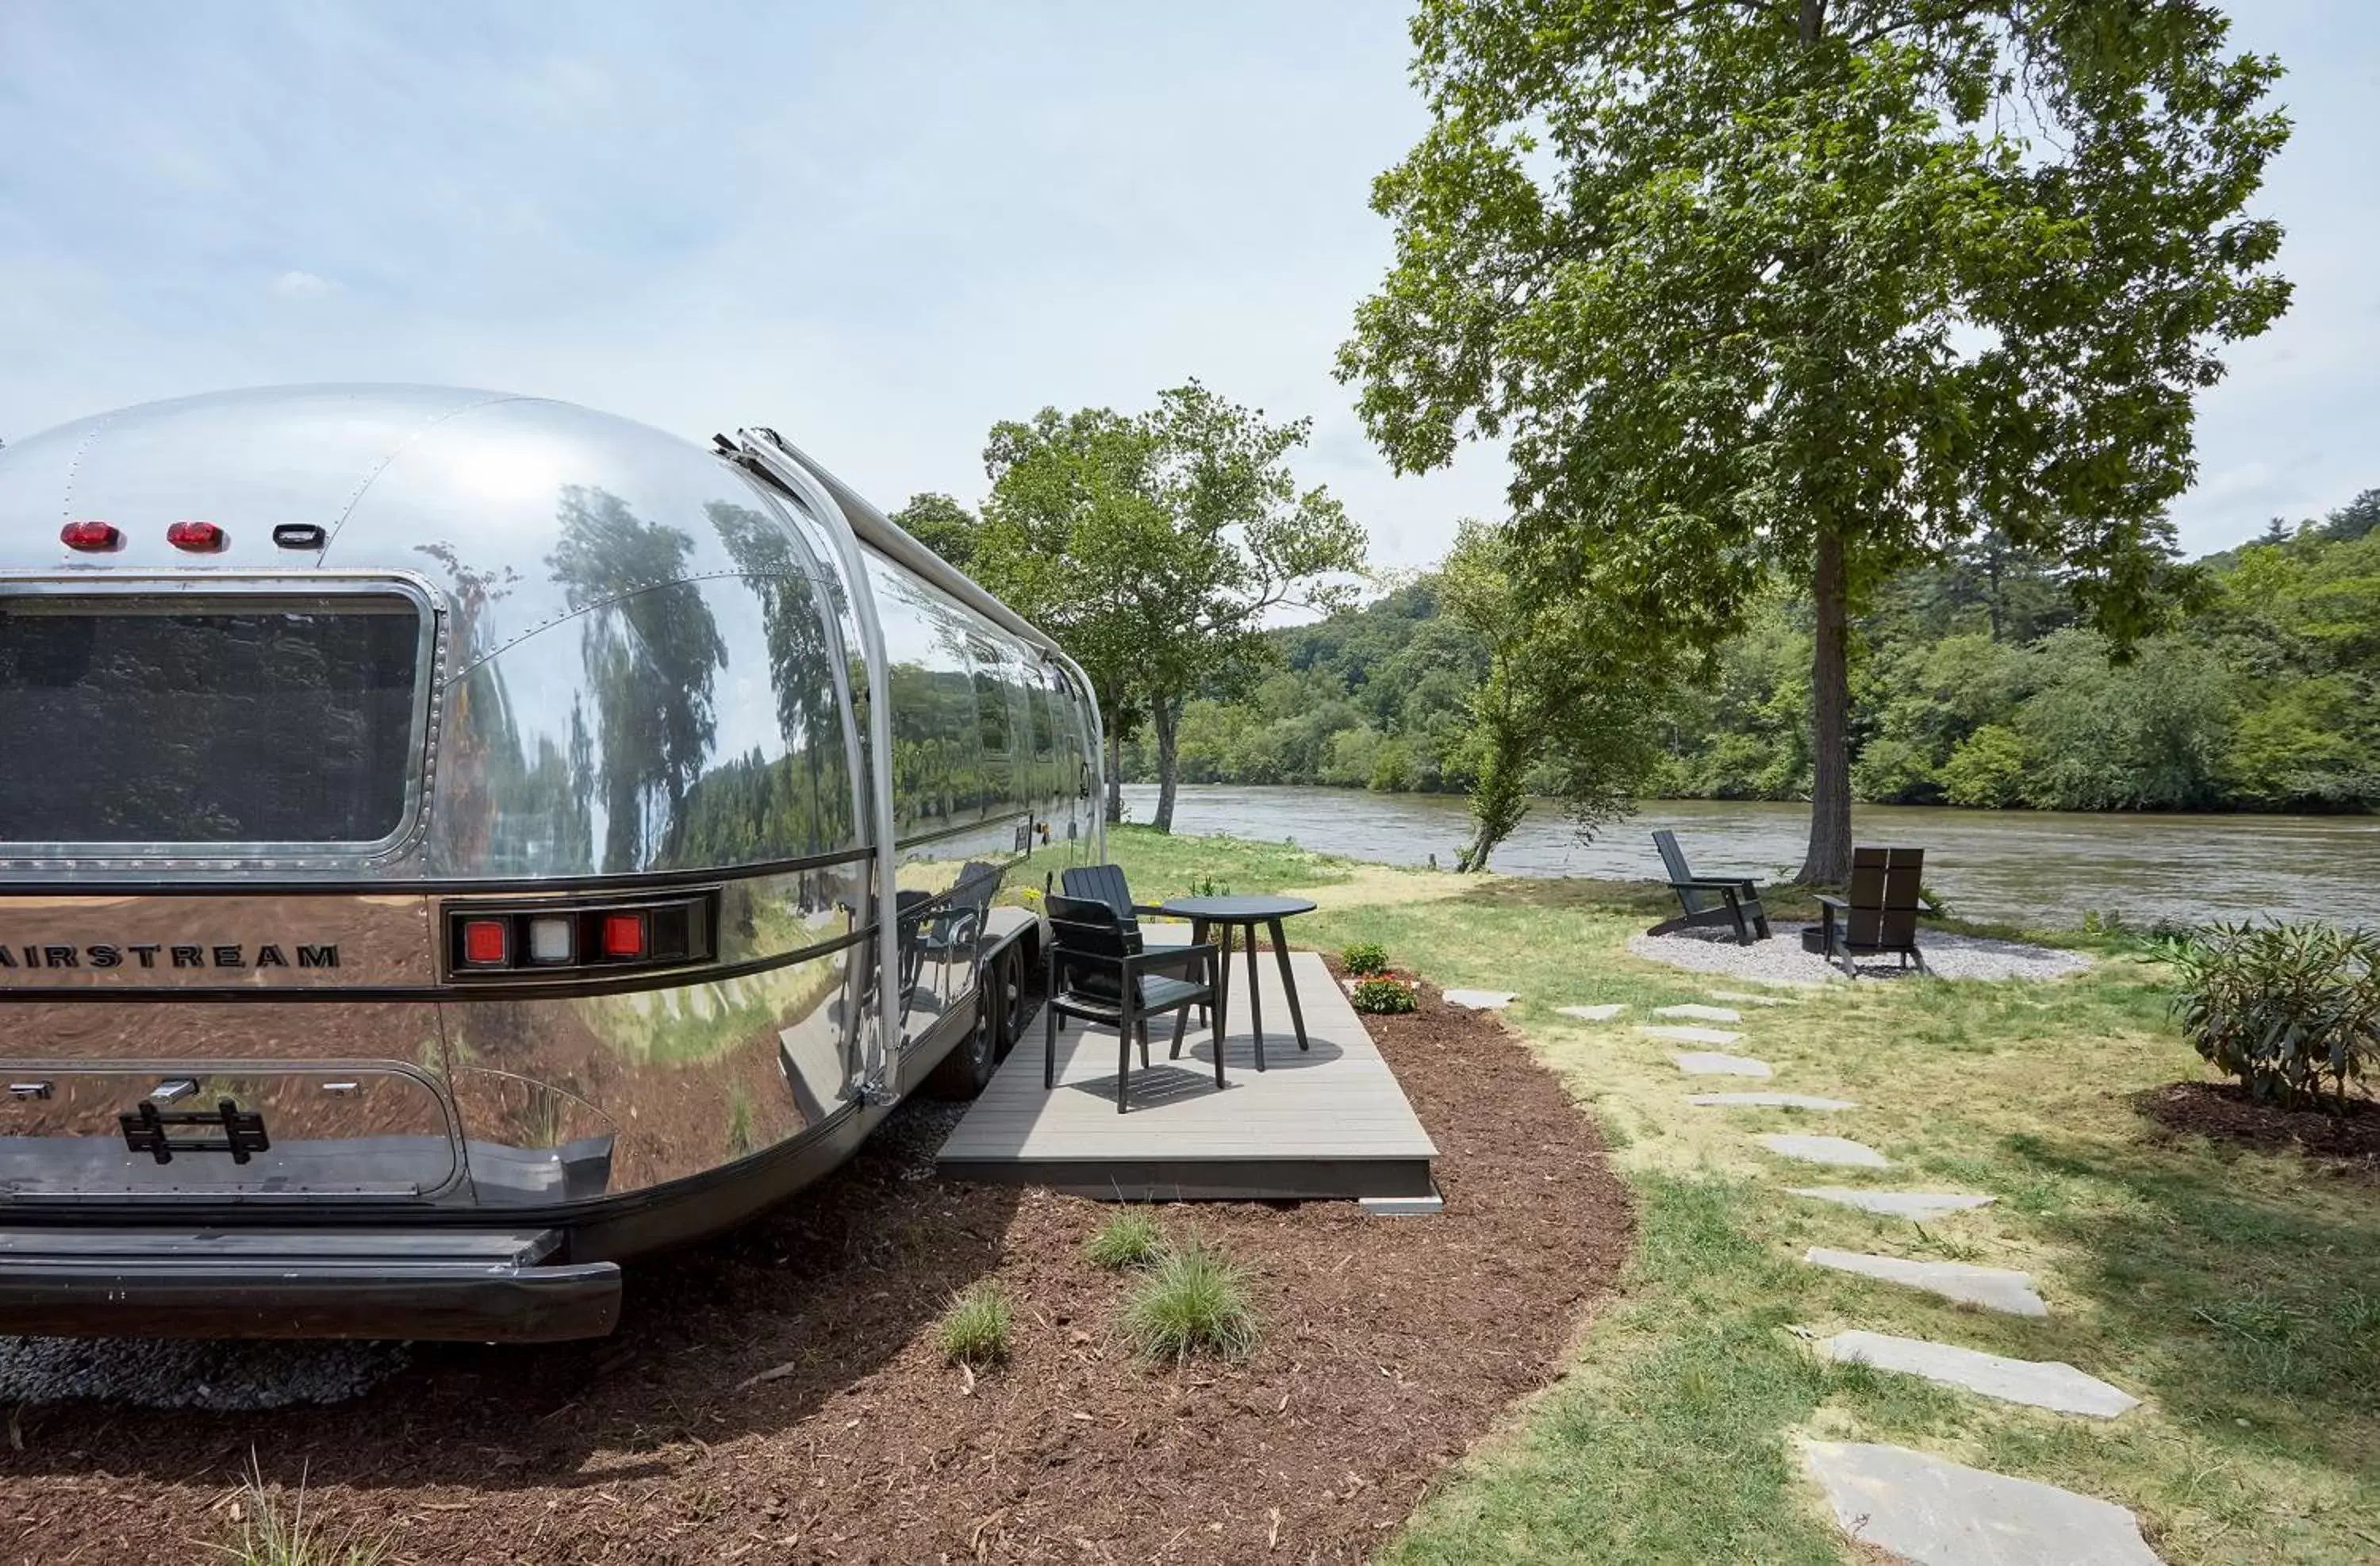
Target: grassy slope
<point>2237,1293</point>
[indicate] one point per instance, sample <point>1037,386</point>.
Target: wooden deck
<point>1329,1123</point>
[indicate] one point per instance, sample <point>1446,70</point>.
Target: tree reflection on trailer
<point>566,734</point>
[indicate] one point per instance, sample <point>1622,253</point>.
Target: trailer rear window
<point>287,719</point>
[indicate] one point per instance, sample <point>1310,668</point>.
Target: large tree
<point>1824,287</point>
<point>1155,547</point>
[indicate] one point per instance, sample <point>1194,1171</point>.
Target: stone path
<point>1895,1204</point>
<point>1480,1000</point>
<point>1938,1514</point>
<point>1994,1288</point>
<point>1824,1149</point>
<point>2050,1384</point>
<point>1593,1014</point>
<point>1694,1063</point>
<point>1700,1014</point>
<point>1690,1034</point>
<point>1921,1509</point>
<point>1767,1101</point>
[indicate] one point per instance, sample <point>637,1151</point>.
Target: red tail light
<point>623,935</point>
<point>91,537</point>
<point>487,943</point>
<point>200,538</point>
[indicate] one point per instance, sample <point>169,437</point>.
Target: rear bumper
<point>476,1286</point>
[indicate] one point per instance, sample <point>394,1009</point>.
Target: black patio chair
<point>1094,975</point>
<point>1105,884</point>
<point>1732,901</point>
<point>1879,910</point>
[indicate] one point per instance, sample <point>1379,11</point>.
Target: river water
<point>2030,867</point>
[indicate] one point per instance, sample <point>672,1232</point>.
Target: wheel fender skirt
<point>460,1284</point>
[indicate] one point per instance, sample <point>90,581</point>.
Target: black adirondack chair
<point>1095,976</point>
<point>1732,901</point>
<point>1879,910</point>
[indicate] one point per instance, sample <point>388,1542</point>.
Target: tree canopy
<point>1825,288</point>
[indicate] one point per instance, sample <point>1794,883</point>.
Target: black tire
<point>1005,987</point>
<point>968,1069</point>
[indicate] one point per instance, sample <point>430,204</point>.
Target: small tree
<point>1155,547</point>
<point>1073,538</point>
<point>1559,703</point>
<point>1821,287</point>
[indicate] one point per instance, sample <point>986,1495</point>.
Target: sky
<point>880,228</point>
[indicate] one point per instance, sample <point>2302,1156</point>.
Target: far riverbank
<point>2024,867</point>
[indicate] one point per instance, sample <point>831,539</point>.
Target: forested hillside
<point>1972,686</point>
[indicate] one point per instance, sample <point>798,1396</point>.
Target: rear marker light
<point>485,943</point>
<point>551,940</point>
<point>91,537</point>
<point>623,935</point>
<point>200,538</point>
<point>300,535</point>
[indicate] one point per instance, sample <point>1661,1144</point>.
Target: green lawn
<point>2237,1293</point>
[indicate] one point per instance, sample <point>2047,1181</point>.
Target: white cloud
<point>302,286</point>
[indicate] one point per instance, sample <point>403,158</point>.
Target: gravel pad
<point>1782,961</point>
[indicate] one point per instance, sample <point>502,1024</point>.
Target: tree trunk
<point>1830,863</point>
<point>1115,776</point>
<point>1165,712</point>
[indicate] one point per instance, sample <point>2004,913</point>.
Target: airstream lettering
<point>452,845</point>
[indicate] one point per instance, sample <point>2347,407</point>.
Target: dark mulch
<point>2346,1140</point>
<point>777,1397</point>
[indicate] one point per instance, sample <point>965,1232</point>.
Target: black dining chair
<point>1106,883</point>
<point>1096,975</point>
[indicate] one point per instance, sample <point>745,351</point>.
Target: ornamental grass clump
<point>1192,1302</point>
<point>974,1329</point>
<point>1364,959</point>
<point>2290,1010</point>
<point>1129,1239</point>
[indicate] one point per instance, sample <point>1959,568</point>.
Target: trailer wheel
<point>968,1068</point>
<point>1005,987</point>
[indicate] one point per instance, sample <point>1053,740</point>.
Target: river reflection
<point>2034,868</point>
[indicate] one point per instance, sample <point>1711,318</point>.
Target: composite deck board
<point>1330,1122</point>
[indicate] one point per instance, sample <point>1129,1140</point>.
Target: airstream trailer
<point>453,844</point>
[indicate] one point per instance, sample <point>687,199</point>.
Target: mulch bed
<point>2346,1141</point>
<point>777,1396</point>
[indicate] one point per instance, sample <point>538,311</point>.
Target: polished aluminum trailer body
<point>453,842</point>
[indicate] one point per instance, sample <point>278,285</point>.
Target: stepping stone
<point>1747,998</point>
<point>1769,1101</point>
<point>1994,1288</point>
<point>1700,1014</point>
<point>1480,1000</point>
<point>1692,1034</point>
<point>1935,1513</point>
<point>1593,1014</point>
<point>1695,1062</point>
<point>1824,1149</point>
<point>1896,1204</point>
<point>2050,1384</point>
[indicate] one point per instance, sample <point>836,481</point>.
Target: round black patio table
<point>1231,913</point>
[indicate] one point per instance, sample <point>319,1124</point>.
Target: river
<point>2025,866</point>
